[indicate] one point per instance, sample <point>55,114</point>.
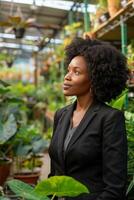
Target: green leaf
<point>131,185</point>
<point>14,100</point>
<point>119,102</point>
<point>39,146</point>
<point>5,84</point>
<point>24,190</point>
<point>61,186</point>
<point>8,129</point>
<point>23,150</point>
<point>4,198</point>
<point>3,90</point>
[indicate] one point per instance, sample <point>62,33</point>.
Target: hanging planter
<point>19,32</point>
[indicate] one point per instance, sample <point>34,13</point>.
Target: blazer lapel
<point>89,115</point>
<point>62,130</point>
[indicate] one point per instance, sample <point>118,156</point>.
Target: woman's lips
<point>66,86</point>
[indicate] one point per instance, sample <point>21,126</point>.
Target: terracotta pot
<point>113,7</point>
<point>5,167</point>
<point>28,177</point>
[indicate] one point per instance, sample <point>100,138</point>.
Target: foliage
<point>103,3</point>
<point>21,90</point>
<point>119,102</point>
<point>6,59</point>
<point>130,54</point>
<point>129,120</point>
<point>7,129</point>
<point>68,187</point>
<point>130,136</point>
<point>72,30</point>
<point>27,145</point>
<point>10,119</point>
<point>24,190</point>
<point>56,186</point>
<point>130,187</point>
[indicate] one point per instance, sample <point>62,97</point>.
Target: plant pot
<point>113,7</point>
<point>19,32</point>
<point>28,177</point>
<point>5,167</point>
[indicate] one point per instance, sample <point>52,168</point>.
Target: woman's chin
<point>67,93</point>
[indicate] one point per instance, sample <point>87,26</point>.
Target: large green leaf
<point>24,190</point>
<point>61,186</point>
<point>23,150</point>
<point>39,145</point>
<point>4,198</point>
<point>8,129</point>
<point>119,102</point>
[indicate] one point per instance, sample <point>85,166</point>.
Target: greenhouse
<point>67,99</point>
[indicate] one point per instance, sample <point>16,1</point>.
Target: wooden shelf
<point>111,30</point>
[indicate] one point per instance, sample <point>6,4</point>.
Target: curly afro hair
<point>106,65</point>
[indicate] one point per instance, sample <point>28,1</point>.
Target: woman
<point>89,137</point>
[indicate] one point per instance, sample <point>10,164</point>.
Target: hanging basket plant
<point>19,32</point>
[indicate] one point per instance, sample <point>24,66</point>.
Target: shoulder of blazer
<point>61,111</point>
<point>109,112</point>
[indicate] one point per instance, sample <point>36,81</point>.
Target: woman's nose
<point>67,76</point>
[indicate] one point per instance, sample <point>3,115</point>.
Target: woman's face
<point>76,81</point>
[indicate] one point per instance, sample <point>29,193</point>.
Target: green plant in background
<point>129,119</point>
<point>130,54</point>
<point>7,131</point>
<point>119,102</point>
<point>10,118</point>
<point>130,135</point>
<point>6,59</point>
<point>21,90</point>
<point>102,4</point>
<point>27,146</point>
<point>130,188</point>
<point>55,186</point>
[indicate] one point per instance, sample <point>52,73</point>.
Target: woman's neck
<point>84,102</point>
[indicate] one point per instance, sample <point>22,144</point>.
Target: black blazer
<point>96,154</point>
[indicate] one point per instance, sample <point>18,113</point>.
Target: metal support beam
<point>86,16</point>
<point>70,17</point>
<point>124,46</point>
<point>123,36</point>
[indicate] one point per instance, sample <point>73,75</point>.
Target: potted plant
<point>7,131</point>
<point>17,24</point>
<point>28,145</point>
<point>9,123</point>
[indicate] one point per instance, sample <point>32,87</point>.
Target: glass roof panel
<point>64,5</point>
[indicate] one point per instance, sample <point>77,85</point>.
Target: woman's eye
<point>77,73</point>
